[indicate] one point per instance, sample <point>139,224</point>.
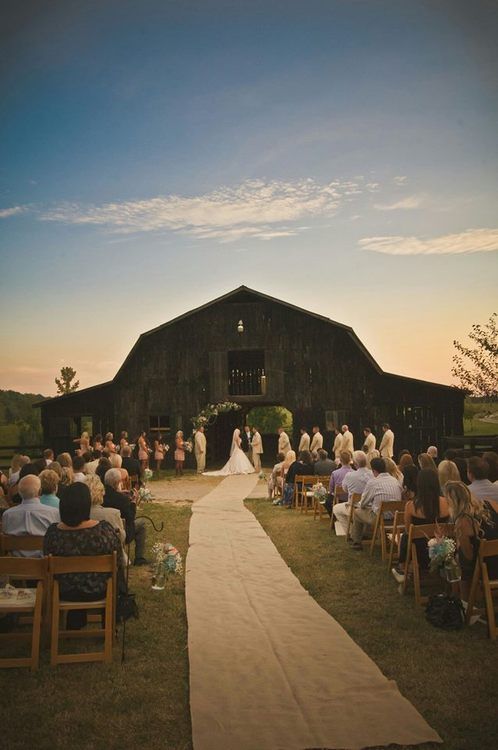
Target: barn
<point>249,348</point>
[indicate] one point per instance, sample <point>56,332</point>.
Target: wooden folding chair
<point>11,543</point>
<point>318,507</point>
<point>426,531</point>
<point>340,496</point>
<point>25,568</point>
<point>382,527</point>
<point>394,537</point>
<point>307,493</point>
<point>355,499</point>
<point>487,549</point>
<point>83,564</point>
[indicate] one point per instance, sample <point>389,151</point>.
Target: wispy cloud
<point>470,241</point>
<point>400,179</point>
<point>255,209</point>
<point>411,201</point>
<point>6,212</point>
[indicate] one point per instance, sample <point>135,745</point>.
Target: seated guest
<point>426,462</point>
<point>30,516</point>
<point>130,464</point>
<point>383,487</point>
<point>393,470</point>
<point>491,459</point>
<point>49,485</point>
<point>63,482</point>
<point>27,469</point>
<point>338,475</point>
<point>93,462</point>
<point>410,474</point>
<point>474,519</point>
<point>77,534</point>
<point>428,506</point>
<point>98,512</point>
<point>353,483</point>
<point>65,460</point>
<point>480,486</point>
<point>116,460</point>
<point>462,468</point>
<point>135,527</point>
<point>78,466</point>
<point>302,467</point>
<point>405,460</point>
<point>432,452</point>
<point>16,464</point>
<point>103,468</point>
<point>448,472</point>
<point>48,456</point>
<point>324,466</point>
<point>288,488</point>
<point>276,480</point>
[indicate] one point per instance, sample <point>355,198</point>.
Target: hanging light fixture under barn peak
<point>240,326</point>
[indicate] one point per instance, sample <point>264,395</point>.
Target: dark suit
<point>132,466</point>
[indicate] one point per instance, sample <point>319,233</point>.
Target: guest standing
<point>179,453</point>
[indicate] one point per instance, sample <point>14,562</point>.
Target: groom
<point>246,439</point>
<point>257,448</point>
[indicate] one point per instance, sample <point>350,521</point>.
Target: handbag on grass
<point>126,607</point>
<point>445,611</point>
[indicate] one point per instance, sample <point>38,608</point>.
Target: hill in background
<point>20,424</point>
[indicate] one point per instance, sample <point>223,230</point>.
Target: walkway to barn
<point>269,668</point>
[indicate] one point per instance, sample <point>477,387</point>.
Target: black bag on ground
<point>444,611</point>
<point>126,607</point>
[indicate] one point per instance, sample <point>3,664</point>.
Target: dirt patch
<point>183,490</point>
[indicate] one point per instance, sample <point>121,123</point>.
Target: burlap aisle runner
<point>269,668</point>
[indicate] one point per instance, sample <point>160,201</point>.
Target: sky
<point>338,155</point>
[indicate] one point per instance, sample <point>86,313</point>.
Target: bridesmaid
<point>109,443</point>
<point>179,453</point>
<point>123,440</point>
<point>98,444</point>
<point>143,451</point>
<point>159,451</point>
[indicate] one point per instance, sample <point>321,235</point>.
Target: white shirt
<point>31,518</point>
<point>79,477</point>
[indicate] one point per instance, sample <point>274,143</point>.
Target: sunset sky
<point>339,155</point>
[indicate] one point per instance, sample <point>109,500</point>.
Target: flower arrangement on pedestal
<point>167,560</point>
<point>210,412</point>
<point>144,493</point>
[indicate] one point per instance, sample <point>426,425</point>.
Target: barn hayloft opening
<point>246,372</point>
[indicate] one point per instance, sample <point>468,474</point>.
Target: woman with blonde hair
<point>84,442</point>
<point>49,485</point>
<point>448,472</point>
<point>426,462</point>
<point>288,491</point>
<point>143,450</point>
<point>179,453</point>
<point>474,519</point>
<point>99,513</point>
<point>393,470</point>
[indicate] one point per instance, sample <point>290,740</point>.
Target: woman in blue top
<point>49,485</point>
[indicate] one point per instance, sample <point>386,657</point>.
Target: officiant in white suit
<point>200,444</point>
<point>257,449</point>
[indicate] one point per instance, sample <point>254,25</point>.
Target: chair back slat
<point>430,530</point>
<point>82,564</point>
<point>488,548</point>
<point>24,567</point>
<point>28,542</point>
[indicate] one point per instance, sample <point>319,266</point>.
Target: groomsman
<point>347,440</point>
<point>386,447</point>
<point>337,447</point>
<point>370,442</point>
<point>200,444</point>
<point>284,445</point>
<point>304,443</point>
<point>317,441</point>
<point>257,448</point>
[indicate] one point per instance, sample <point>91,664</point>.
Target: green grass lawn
<point>452,678</point>
<point>476,426</point>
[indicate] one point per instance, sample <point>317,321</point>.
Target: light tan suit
<point>257,450</point>
<point>386,448</point>
<point>347,442</point>
<point>370,443</point>
<point>304,443</point>
<point>200,444</point>
<point>316,442</point>
<point>284,445</point>
<point>337,447</point>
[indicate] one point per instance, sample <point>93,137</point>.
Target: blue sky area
<point>153,155</point>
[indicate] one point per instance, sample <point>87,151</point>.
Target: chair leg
<point>416,578</point>
<point>109,621</point>
<point>473,592</point>
<point>37,616</point>
<point>54,644</point>
<point>375,532</point>
<point>488,598</point>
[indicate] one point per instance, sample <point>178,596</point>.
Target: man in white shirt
<point>480,486</point>
<point>284,445</point>
<point>347,439</point>
<point>304,443</point>
<point>386,447</point>
<point>354,483</point>
<point>200,445</point>
<point>78,469</point>
<point>317,440</point>
<point>383,487</point>
<point>30,517</point>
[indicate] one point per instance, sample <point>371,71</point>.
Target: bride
<point>238,463</point>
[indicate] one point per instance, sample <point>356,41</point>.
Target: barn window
<point>159,422</point>
<point>245,370</point>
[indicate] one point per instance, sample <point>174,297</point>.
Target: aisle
<point>269,668</point>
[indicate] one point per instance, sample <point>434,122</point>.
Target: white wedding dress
<point>238,463</point>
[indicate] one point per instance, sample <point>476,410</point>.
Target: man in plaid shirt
<point>383,487</point>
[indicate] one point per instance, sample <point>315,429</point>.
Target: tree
<point>64,384</point>
<point>477,368</point>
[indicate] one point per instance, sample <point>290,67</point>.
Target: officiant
<point>246,442</point>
